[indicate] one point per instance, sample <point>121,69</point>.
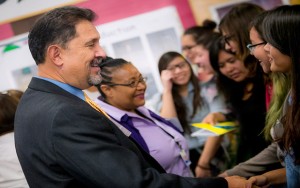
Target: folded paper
<point>218,129</point>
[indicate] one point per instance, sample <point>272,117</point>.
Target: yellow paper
<point>228,127</point>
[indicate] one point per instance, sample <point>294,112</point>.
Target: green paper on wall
<point>10,47</point>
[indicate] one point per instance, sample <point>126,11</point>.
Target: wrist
<point>167,90</point>
<point>204,167</point>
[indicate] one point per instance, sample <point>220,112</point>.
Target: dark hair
<point>209,24</point>
<point>232,90</point>
<point>14,93</point>
<point>236,21</point>
<point>56,27</point>
<point>197,31</point>
<point>224,84</point>
<point>207,39</point>
<point>8,107</point>
<point>108,66</point>
<point>281,28</point>
<point>281,83</point>
<point>180,106</point>
<point>257,24</point>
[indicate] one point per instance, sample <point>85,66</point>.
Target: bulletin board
<point>215,9</point>
<point>13,10</point>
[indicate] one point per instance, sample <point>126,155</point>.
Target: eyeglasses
<point>180,66</point>
<point>188,48</point>
<point>252,46</point>
<point>132,84</point>
<point>228,38</point>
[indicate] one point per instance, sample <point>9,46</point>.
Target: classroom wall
<point>111,10</point>
<point>191,12</point>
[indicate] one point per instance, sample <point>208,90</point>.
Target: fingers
<point>223,175</point>
<point>166,79</point>
<point>210,119</point>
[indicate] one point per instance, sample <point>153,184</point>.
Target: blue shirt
<point>75,91</point>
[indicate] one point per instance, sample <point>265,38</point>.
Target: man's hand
<point>260,180</point>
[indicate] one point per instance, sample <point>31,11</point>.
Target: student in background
<point>243,87</point>
<point>201,59</point>
<point>194,49</point>
<point>243,81</point>
<point>186,99</point>
<point>195,44</point>
<point>234,28</point>
<point>11,174</point>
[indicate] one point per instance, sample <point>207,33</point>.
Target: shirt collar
<point>75,91</point>
<point>114,112</point>
<point>117,113</point>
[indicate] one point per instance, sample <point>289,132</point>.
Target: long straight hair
<point>232,90</point>
<point>235,23</point>
<point>281,30</point>
<point>281,83</point>
<point>180,106</point>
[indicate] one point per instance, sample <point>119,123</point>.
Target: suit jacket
<point>62,141</point>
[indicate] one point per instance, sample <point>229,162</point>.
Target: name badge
<point>185,157</point>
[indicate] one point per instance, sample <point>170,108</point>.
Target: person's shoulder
<point>7,139</point>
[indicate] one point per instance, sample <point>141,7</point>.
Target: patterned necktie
<point>94,105</point>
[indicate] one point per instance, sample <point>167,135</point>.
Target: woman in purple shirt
<point>123,97</point>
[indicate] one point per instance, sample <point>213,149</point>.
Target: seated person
<point>123,97</point>
<point>11,174</point>
<point>191,102</point>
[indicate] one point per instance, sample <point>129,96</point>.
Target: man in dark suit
<point>61,140</point>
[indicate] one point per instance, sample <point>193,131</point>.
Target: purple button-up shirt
<point>163,141</point>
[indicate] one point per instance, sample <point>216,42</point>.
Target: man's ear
<point>54,54</point>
